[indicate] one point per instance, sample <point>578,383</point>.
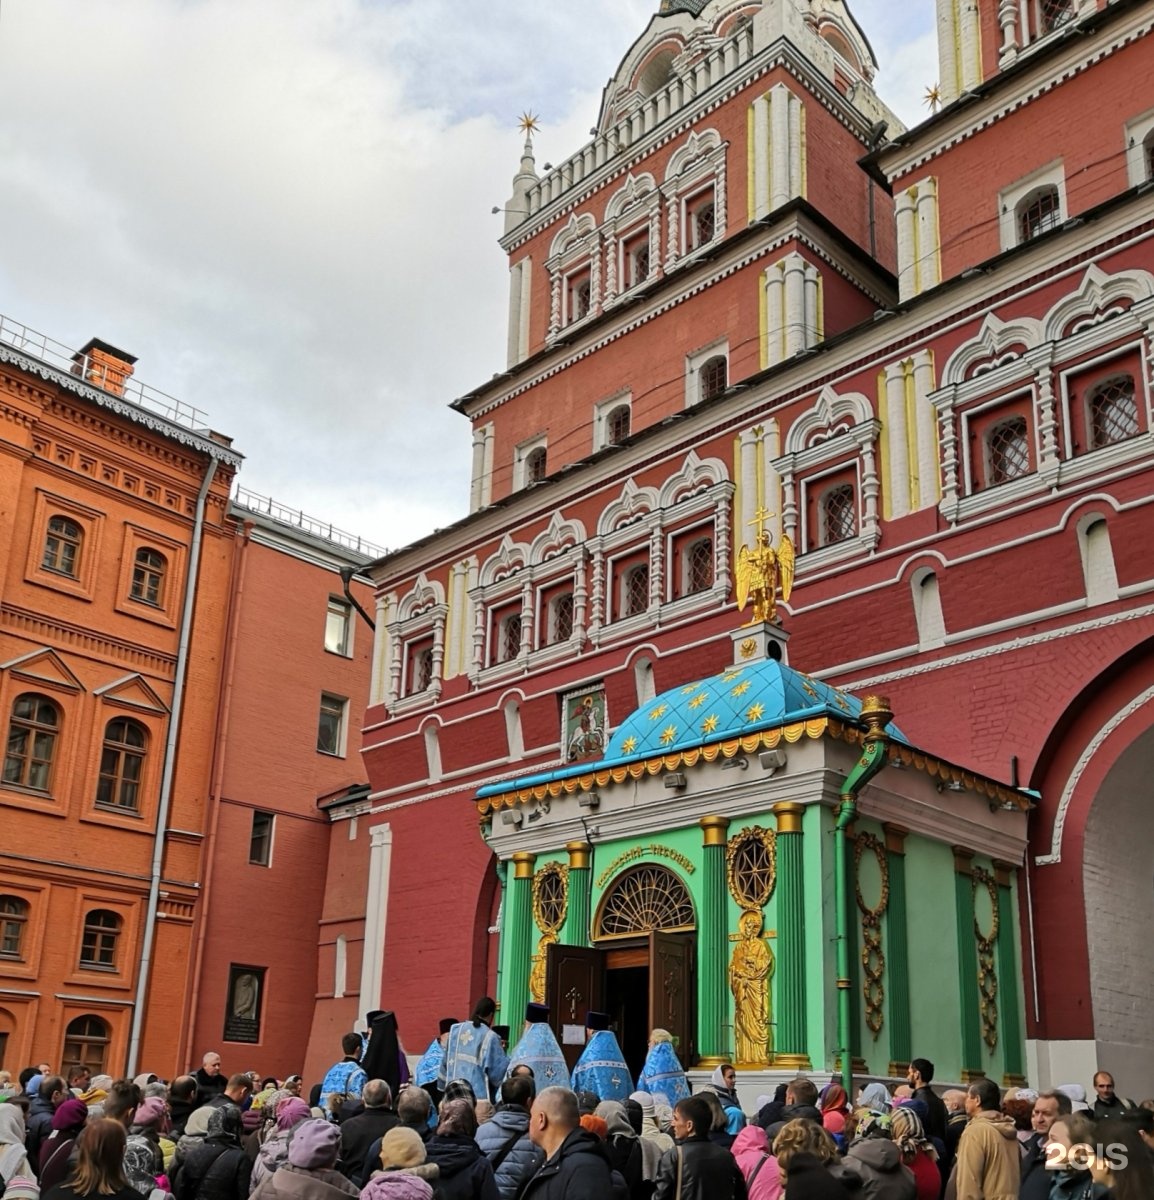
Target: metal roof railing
<point>284,515</point>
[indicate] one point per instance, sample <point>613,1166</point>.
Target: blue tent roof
<point>741,701</point>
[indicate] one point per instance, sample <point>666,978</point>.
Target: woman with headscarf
<point>917,1151</point>
<point>723,1083</point>
<point>14,1162</point>
<point>873,1155</point>
<point>662,1075</point>
<point>876,1096</point>
<point>219,1169</point>
<point>99,1170</point>
<point>56,1152</point>
<point>623,1145</point>
<point>150,1123</point>
<point>834,1109</point>
<point>311,1170</point>
<point>403,1173</point>
<point>465,1172</point>
<point>291,1112</point>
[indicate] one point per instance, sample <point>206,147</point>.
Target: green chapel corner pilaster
<point>791,1045</point>
<point>578,918</point>
<point>713,943</point>
<point>1008,975</point>
<point>519,923</point>
<point>968,965</point>
<point>898,951</point>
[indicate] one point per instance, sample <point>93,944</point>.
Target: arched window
<point>510,646</point>
<point>62,547</point>
<point>561,618</point>
<point>617,425</point>
<point>1039,212</point>
<point>148,573</point>
<point>1053,13</point>
<point>32,734</point>
<point>838,514</point>
<point>101,935</point>
<point>86,1044</point>
<point>122,764</point>
<point>1008,451</point>
<point>713,378</point>
<point>535,465</point>
<point>1112,411</point>
<point>13,922</point>
<point>698,567</point>
<point>636,598</point>
<point>644,900</point>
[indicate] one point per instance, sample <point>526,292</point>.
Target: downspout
<point>346,574</point>
<point>167,771</point>
<point>221,742</point>
<point>877,715</point>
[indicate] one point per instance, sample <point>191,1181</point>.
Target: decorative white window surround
<point>635,208</point>
<point>919,238</point>
<point>693,364</point>
<point>421,612</point>
<point>601,414</point>
<point>1022,31</point>
<point>690,533</point>
<point>576,246</point>
<point>858,429</point>
<point>1073,410</point>
<point>521,459</point>
<point>1009,198</point>
<point>701,161</point>
<point>1138,130</point>
<point>1004,400</point>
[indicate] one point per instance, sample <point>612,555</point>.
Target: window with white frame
<point>1140,149</point>
<point>1053,14</point>
<point>700,219</point>
<point>612,421</point>
<point>338,627</point>
<point>1032,206</point>
<point>1112,412</point>
<point>331,725</point>
<point>530,463</point>
<point>635,590</point>
<point>707,373</point>
<point>695,193</point>
<point>1007,446</point>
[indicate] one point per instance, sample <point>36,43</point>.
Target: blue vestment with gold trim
<point>601,1068</point>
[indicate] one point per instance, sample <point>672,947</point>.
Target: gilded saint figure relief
<point>750,971</point>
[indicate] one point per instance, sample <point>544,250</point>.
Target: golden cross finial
<point>933,98</point>
<point>529,123</point>
<point>760,517</point>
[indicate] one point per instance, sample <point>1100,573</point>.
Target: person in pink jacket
<point>762,1176</point>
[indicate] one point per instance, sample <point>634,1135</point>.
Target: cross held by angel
<point>763,572</point>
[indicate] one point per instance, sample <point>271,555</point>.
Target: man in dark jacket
<point>49,1096</point>
<point>220,1169</point>
<point>920,1076</point>
<point>370,1125</point>
<point>504,1138</point>
<point>414,1111</point>
<point>576,1166</point>
<point>182,1100</point>
<point>696,1168</point>
<point>210,1080</point>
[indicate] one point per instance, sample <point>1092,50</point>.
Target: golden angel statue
<point>763,572</point>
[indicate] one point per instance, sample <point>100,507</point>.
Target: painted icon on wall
<point>584,729</point>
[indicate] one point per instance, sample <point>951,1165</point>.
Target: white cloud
<point>283,207</point>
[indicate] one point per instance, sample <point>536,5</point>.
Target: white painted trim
<point>376,916</point>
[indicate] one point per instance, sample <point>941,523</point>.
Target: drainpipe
<point>876,714</point>
<point>167,772</point>
<point>346,574</point>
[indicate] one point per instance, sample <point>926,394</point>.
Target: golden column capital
<point>578,855</point>
<point>788,816</point>
<point>523,863</point>
<point>714,830</point>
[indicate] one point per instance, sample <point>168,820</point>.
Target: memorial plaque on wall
<point>245,996</point>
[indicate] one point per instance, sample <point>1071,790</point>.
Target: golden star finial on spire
<point>529,123</point>
<point>933,98</point>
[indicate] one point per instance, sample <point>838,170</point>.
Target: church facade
<point>754,300</point>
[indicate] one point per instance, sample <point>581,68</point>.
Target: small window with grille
<point>536,465</point>
<point>697,567</point>
<point>713,378</point>
<point>509,638</point>
<point>561,618</point>
<point>580,295</point>
<point>637,260</point>
<point>1052,14</point>
<point>700,220</point>
<point>635,599</point>
<point>1112,410</point>
<point>617,425</point>
<point>838,514</point>
<point>1039,212</point>
<point>1007,451</point>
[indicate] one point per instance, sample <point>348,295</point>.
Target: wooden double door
<point>643,983</point>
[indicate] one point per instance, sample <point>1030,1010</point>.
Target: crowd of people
<point>480,1122</point>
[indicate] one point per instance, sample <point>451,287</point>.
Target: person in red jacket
<point>917,1152</point>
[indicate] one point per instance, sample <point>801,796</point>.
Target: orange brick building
<point>115,557</point>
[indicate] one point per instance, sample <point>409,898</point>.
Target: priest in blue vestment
<point>601,1068</point>
<point>473,1053</point>
<point>539,1051</point>
<point>662,1074</point>
<point>428,1068</point>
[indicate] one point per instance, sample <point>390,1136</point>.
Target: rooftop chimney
<point>103,366</point>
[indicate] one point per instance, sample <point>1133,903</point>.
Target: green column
<point>791,1046</point>
<point>713,944</point>
<point>1008,978</point>
<point>518,923</point>
<point>578,915</point>
<point>968,965</point>
<point>897,947</point>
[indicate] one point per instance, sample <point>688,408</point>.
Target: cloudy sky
<point>283,207</point>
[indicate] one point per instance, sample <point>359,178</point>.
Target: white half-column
<point>376,914</point>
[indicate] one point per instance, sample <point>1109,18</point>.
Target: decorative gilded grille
<point>645,899</point>
<point>1113,412</point>
<point>751,865</point>
<point>987,968</point>
<point>873,957</point>
<point>699,566</point>
<point>1009,450</point>
<point>550,897</point>
<point>1042,212</point>
<point>838,514</point>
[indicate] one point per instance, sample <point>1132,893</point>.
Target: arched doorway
<point>1118,881</point>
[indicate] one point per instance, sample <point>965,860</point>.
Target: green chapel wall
<point>935,1004</point>
<point>821,950</point>
<point>511,1009</point>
